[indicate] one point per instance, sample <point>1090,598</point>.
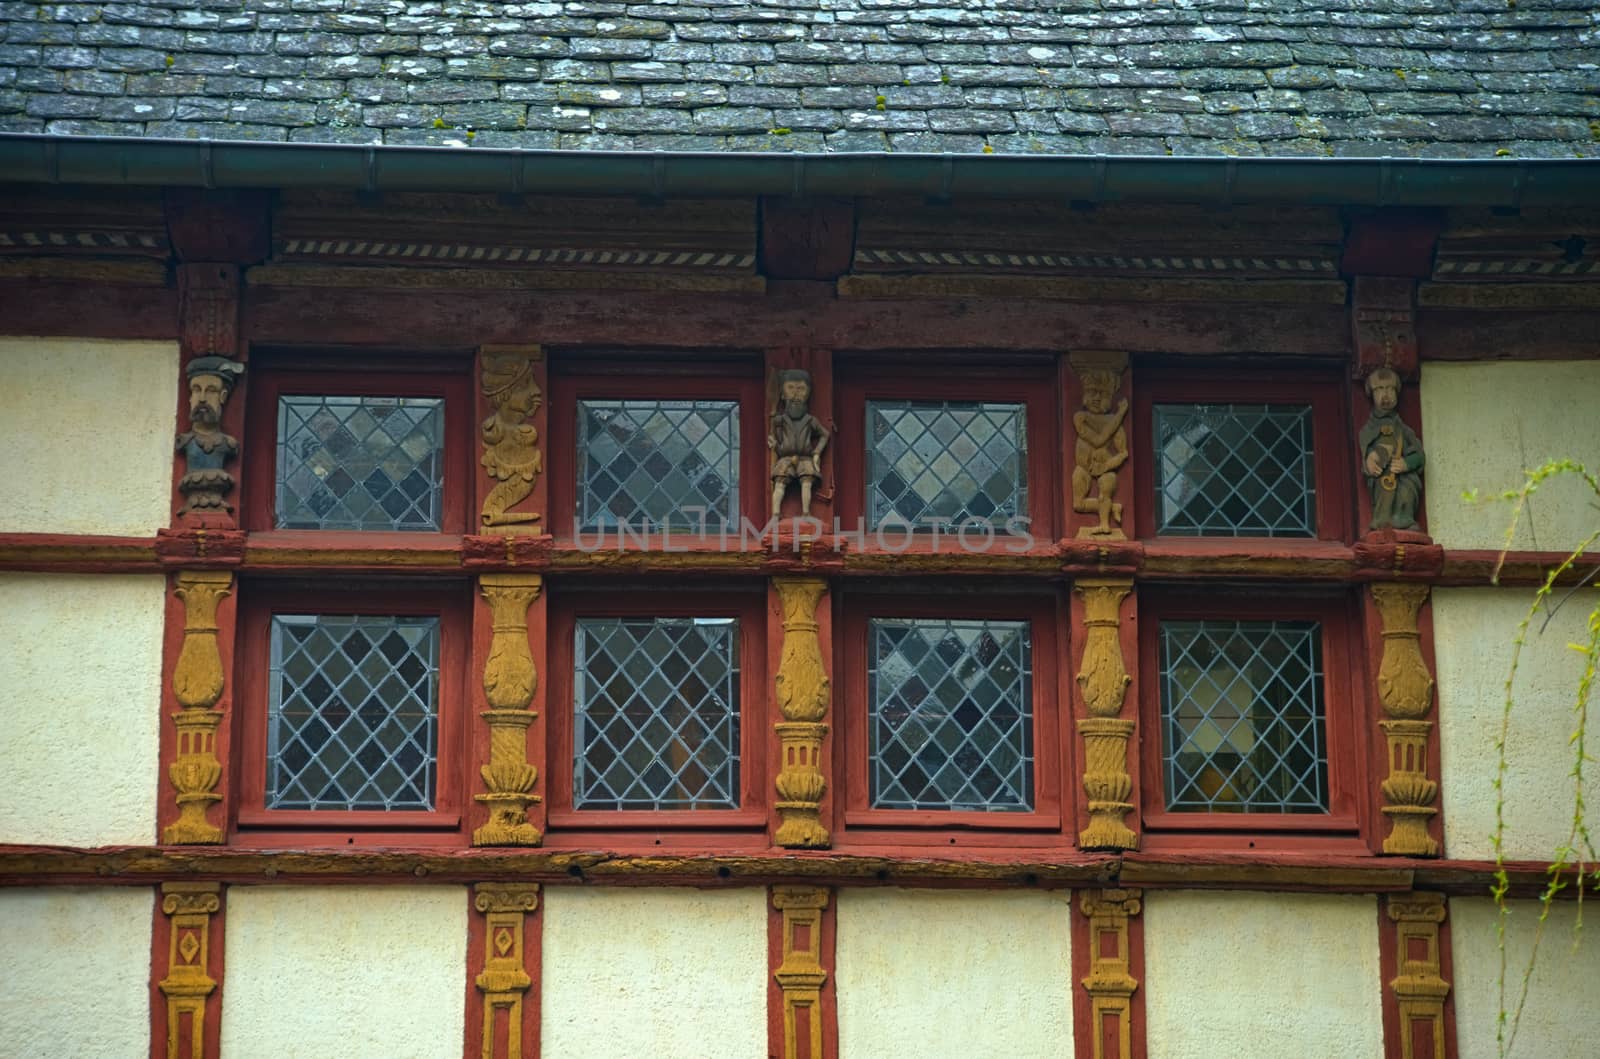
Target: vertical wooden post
<point>1415,959</point>
<point>802,1023</point>
<point>1405,689</point>
<point>1107,727</point>
<point>187,967</point>
<point>504,948</point>
<point>1108,961</point>
<point>510,679</point>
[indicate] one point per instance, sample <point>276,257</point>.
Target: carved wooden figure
<point>197,682</point>
<point>796,438</point>
<point>1391,456</point>
<point>804,693</point>
<point>510,442</point>
<point>1405,687</point>
<point>1102,445</point>
<point>1103,679</point>
<point>206,450</point>
<point>509,681</point>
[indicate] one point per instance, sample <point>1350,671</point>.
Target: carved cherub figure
<point>206,449</point>
<point>510,443</point>
<point>796,438</point>
<point>1102,449</point>
<point>1391,456</point>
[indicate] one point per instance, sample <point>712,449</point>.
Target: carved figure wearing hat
<point>206,449</point>
<point>1391,456</point>
<point>796,438</point>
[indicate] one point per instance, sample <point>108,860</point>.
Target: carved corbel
<point>504,980</point>
<point>197,683</point>
<point>803,696</point>
<point>1102,442</point>
<point>509,681</point>
<point>1103,681</point>
<point>189,907</point>
<point>1405,688</point>
<point>1110,982</point>
<point>1383,324</point>
<point>1419,986</point>
<point>511,455</point>
<point>800,974</point>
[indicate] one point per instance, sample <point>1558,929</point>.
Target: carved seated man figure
<point>206,449</point>
<point>796,438</point>
<point>1391,456</point>
<point>1102,449</point>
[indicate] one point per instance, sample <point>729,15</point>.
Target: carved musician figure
<point>1101,451</point>
<point>796,438</point>
<point>1391,456</point>
<point>206,449</point>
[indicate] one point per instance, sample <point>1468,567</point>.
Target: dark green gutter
<point>1094,178</point>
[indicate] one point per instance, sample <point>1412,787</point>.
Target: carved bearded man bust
<point>796,438</point>
<point>1391,456</point>
<point>206,449</point>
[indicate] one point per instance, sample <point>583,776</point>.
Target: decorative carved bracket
<point>504,980</point>
<point>1110,982</point>
<point>1383,325</point>
<point>509,681</point>
<point>190,907</point>
<point>1420,987</point>
<point>1103,680</point>
<point>1405,687</point>
<point>803,697</point>
<point>1102,446</point>
<point>800,974</point>
<point>197,682</point>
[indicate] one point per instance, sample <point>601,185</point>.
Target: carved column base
<point>800,786</point>
<point>510,779</point>
<point>1408,790</point>
<point>194,774</point>
<point>1106,781</point>
<point>504,981</point>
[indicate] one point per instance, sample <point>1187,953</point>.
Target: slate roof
<point>1406,78</point>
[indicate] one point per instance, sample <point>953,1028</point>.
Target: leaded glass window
<point>1234,470</point>
<point>951,714</point>
<point>954,460</point>
<point>360,463</point>
<point>1243,716</point>
<point>352,712</point>
<point>657,702</point>
<point>650,464</point>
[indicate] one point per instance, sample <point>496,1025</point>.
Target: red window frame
<point>261,451</point>
<point>452,605</point>
<point>621,378</point>
<point>749,607</point>
<point>1332,445</point>
<point>1047,615</point>
<point>1344,712</point>
<point>1031,383</point>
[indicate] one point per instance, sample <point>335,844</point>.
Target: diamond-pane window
<point>657,702</point>
<point>352,712</point>
<point>646,464</point>
<point>950,714</point>
<point>1234,470</point>
<point>1242,716</point>
<point>946,459</point>
<point>360,463</point>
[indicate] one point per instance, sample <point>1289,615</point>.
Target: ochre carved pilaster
<point>1110,982</point>
<point>1419,987</point>
<point>1103,679</point>
<point>509,681</point>
<point>803,696</point>
<point>1405,687</point>
<point>800,975</point>
<point>197,682</point>
<point>188,982</point>
<point>1102,445</point>
<point>504,980</point>
<point>511,453</point>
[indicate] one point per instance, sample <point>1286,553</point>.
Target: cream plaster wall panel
<point>1473,629</point>
<point>1483,423</point>
<point>1287,974</point>
<point>87,427</point>
<point>75,976</point>
<point>954,973</point>
<point>666,973</point>
<point>359,972</point>
<point>80,708</point>
<point>1559,1018</point>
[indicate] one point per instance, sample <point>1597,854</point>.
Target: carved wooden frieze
<point>511,453</point>
<point>800,974</point>
<point>504,980</point>
<point>804,694</point>
<point>1110,982</point>
<point>197,683</point>
<point>509,681</point>
<point>189,907</point>
<point>1419,986</point>
<point>1101,449</point>
<point>1405,688</point>
<point>1103,681</point>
